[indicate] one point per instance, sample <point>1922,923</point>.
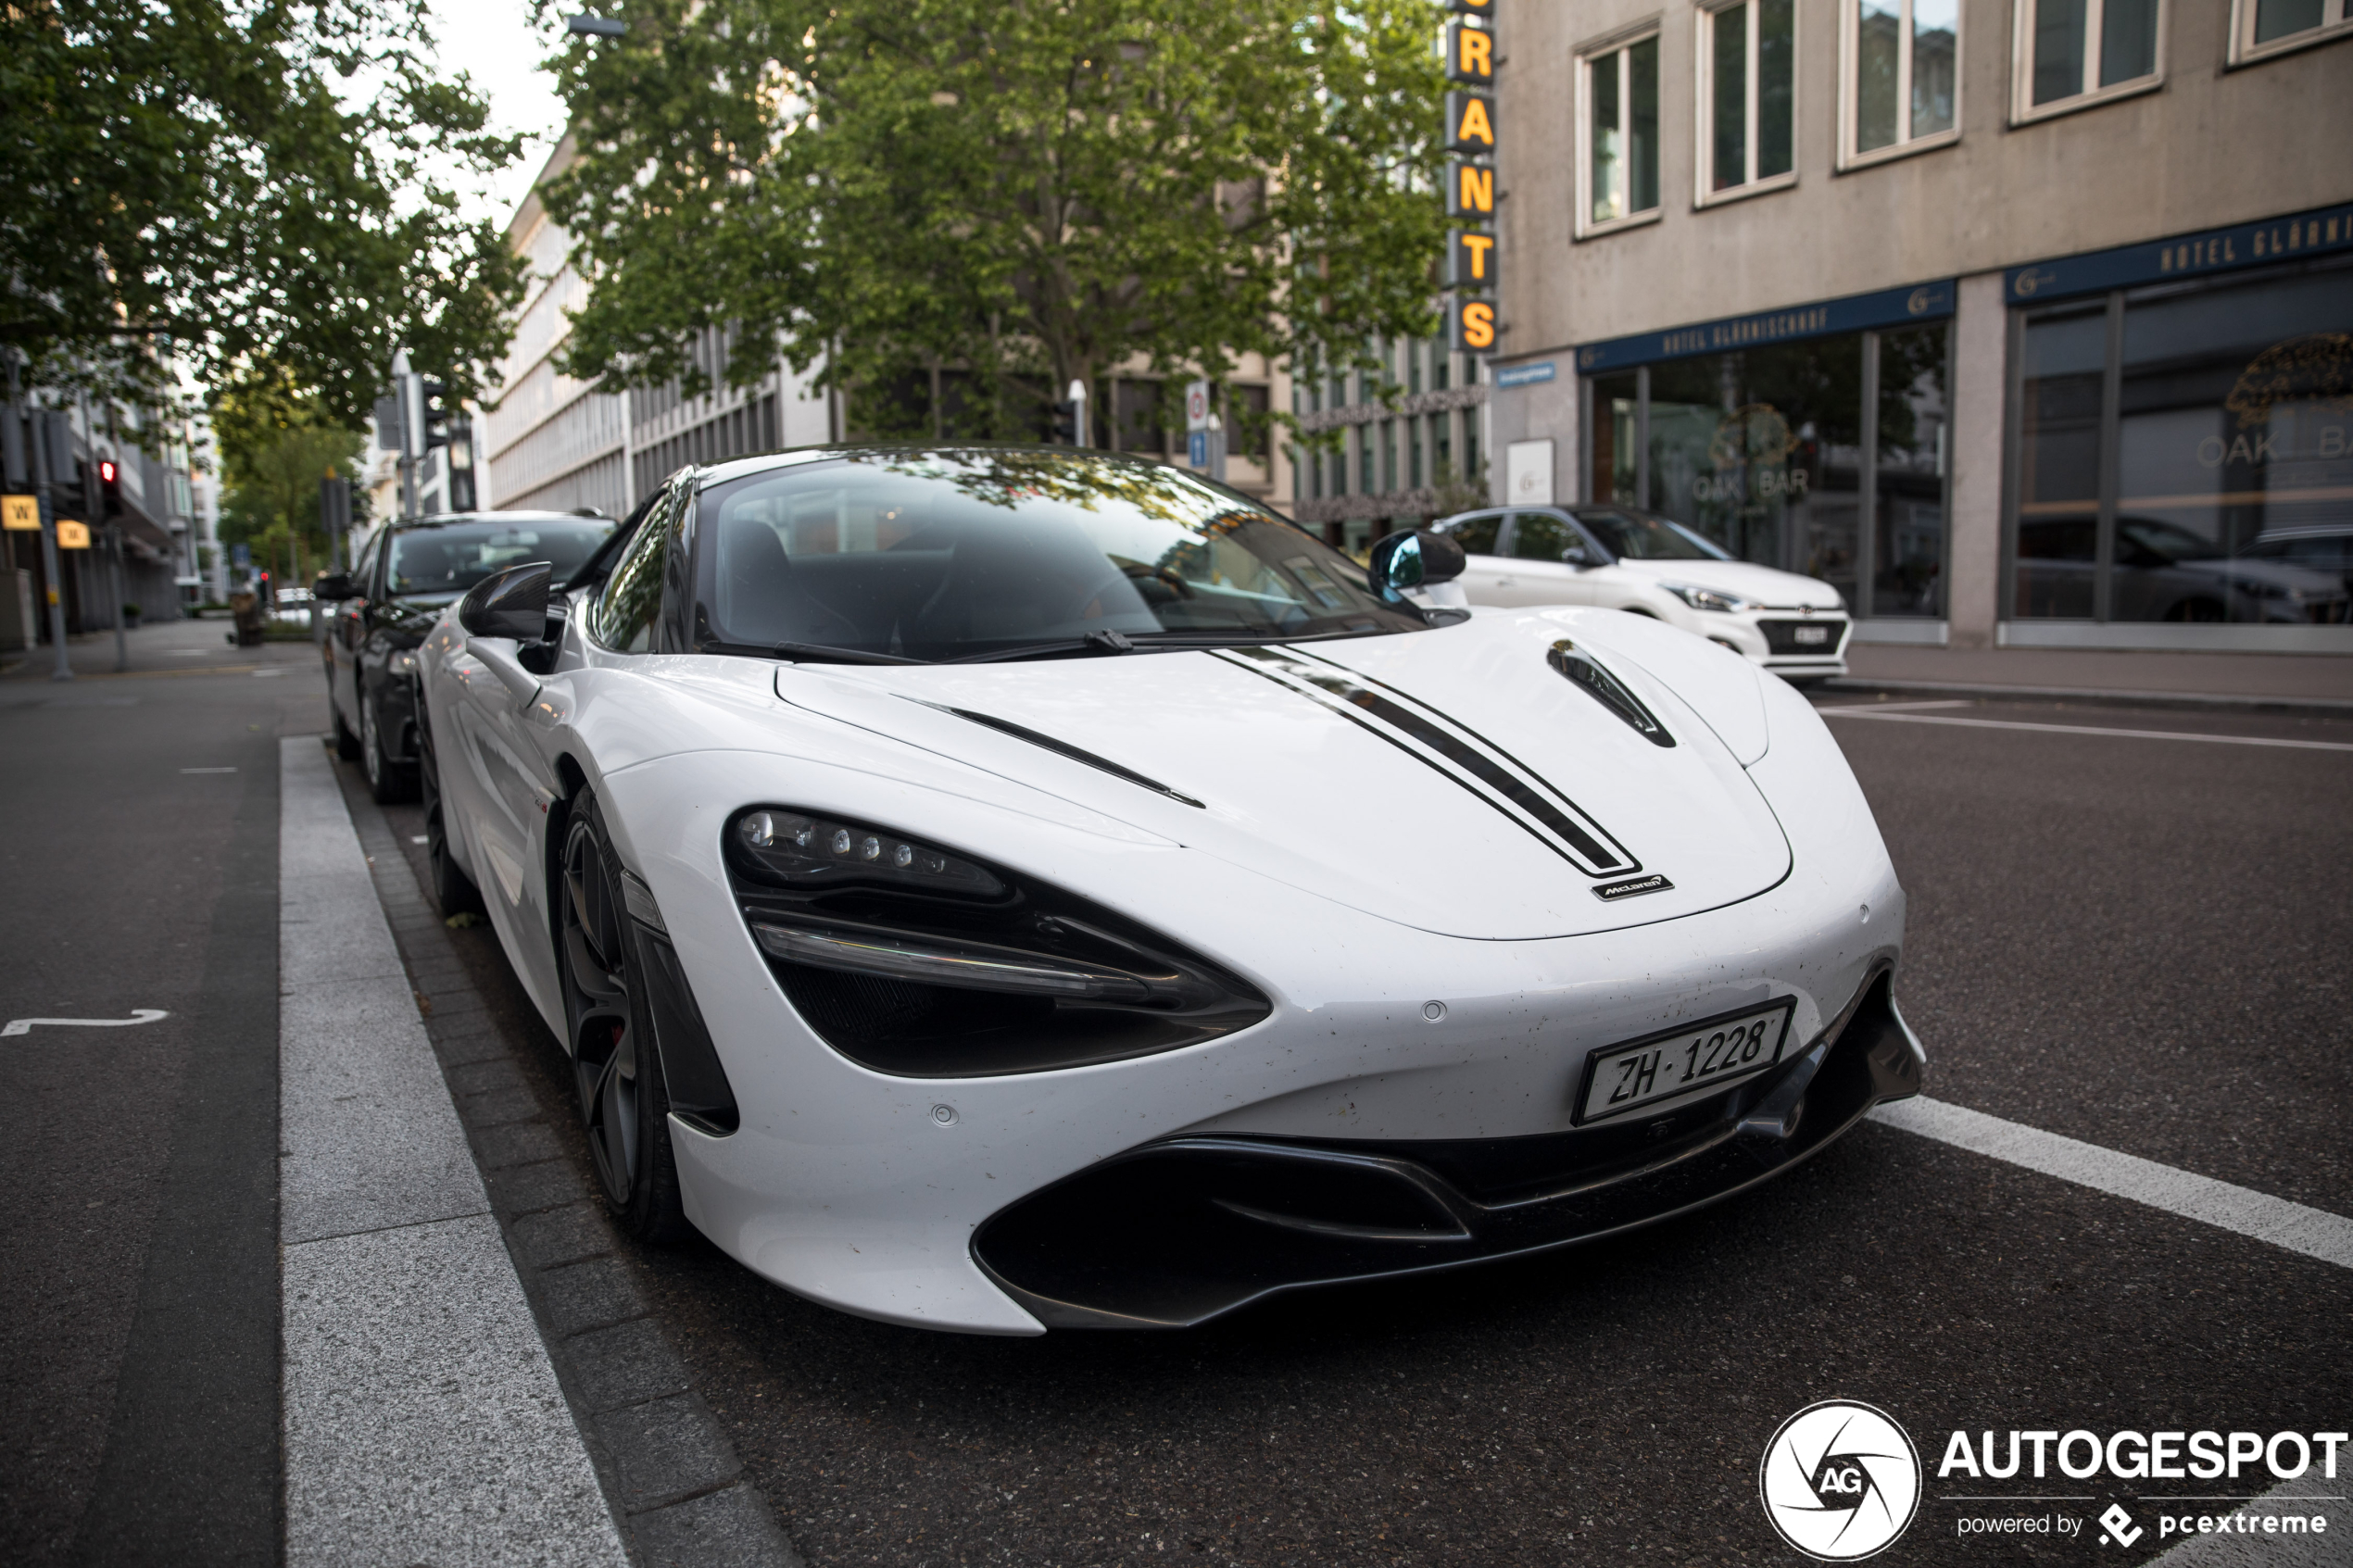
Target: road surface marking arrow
<point>138,1015</point>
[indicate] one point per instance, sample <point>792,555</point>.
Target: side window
<point>624,618</point>
<point>1540,537</point>
<point>363,571</point>
<point>1477,534</point>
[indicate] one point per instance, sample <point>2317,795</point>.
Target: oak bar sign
<point>1470,175</point>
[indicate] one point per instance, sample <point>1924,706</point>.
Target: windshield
<point>939,554</point>
<point>452,557</point>
<point>1640,536</point>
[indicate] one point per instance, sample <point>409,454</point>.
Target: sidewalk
<point>2300,682</point>
<point>178,647</point>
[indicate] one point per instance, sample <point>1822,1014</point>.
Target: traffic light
<point>441,411</point>
<point>109,488</point>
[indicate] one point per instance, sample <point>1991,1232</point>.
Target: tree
<point>182,176</point>
<point>1024,192</point>
<point>277,442</point>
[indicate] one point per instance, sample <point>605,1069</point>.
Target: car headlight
<point>917,960</point>
<point>1707,598</point>
<point>403,663</point>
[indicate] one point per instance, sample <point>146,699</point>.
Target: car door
<point>1480,535</point>
<point>1533,572</point>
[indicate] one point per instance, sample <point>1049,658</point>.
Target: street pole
<point>92,505</point>
<point>49,558</point>
<point>1080,435</point>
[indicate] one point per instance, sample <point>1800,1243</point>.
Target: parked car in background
<point>1622,558</point>
<point>2166,573</point>
<point>2327,549</point>
<point>404,578</point>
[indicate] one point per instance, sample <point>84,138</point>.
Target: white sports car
<point>1621,557</point>
<point>997,889</point>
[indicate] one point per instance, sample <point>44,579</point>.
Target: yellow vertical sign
<point>20,514</point>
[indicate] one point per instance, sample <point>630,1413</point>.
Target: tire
<point>389,783</point>
<point>616,1064</point>
<point>452,888</point>
<point>346,744</point>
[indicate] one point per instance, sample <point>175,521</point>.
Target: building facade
<point>1399,446</point>
<point>2024,322</point>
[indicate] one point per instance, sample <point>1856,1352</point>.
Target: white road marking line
<point>2313,1231</point>
<point>423,1419</point>
<point>1858,711</point>
<point>419,838</point>
<point>138,1015</point>
<point>208,770</point>
<point>1893,707</point>
<point>2255,1549</point>
<point>264,674</point>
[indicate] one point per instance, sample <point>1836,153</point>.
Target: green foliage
<point>1022,192</point>
<point>181,173</point>
<point>277,443</point>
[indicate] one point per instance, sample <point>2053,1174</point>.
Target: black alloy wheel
<point>452,888</point>
<point>616,1064</point>
<point>389,782</point>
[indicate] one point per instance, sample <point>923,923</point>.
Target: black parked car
<point>404,578</point>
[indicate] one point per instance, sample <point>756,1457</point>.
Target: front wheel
<point>616,1064</point>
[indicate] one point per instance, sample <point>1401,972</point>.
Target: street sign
<point>72,535</point>
<point>1196,409</point>
<point>1197,449</point>
<point>241,555</point>
<point>20,514</point>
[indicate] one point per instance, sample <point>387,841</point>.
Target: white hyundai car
<point>1619,558</point>
<point>1001,889</point>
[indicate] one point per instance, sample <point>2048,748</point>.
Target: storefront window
<point>1910,474</point>
<point>2228,447</point>
<point>1614,407</point>
<point>1761,451</point>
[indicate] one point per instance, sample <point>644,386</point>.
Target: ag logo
<point>1840,1481</point>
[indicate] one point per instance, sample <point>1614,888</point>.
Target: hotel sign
<point>2317,232</point>
<point>1470,176</point>
<point>1888,308</point>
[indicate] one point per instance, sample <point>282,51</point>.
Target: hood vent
<point>1063,748</point>
<point>1607,690</point>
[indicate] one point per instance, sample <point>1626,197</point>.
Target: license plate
<point>1624,1078</point>
<point>1813,634</point>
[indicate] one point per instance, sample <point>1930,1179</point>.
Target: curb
<point>672,1474</point>
<point>2309,706</point>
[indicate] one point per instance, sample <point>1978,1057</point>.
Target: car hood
<point>1763,586</point>
<point>1450,780</point>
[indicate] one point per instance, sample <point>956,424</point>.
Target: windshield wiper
<point>805,653</point>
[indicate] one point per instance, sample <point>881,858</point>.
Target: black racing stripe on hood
<point>1063,748</point>
<point>1473,770</point>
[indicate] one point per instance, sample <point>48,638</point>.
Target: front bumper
<point>1186,1229</point>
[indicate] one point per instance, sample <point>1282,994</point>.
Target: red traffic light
<point>107,471</point>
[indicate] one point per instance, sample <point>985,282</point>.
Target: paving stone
<point>562,1235</point>
<point>725,1529</point>
<point>626,1364</point>
<point>483,1077</point>
<point>666,1450</point>
<point>525,1189</point>
<point>499,1108</point>
<point>586,1296</point>
<point>517,1143</point>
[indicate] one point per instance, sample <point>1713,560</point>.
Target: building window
<point>2183,454</point>
<point>2260,28</point>
<point>1901,84</point>
<point>1619,171</point>
<point>1826,457</point>
<point>2075,52</point>
<point>1747,97</point>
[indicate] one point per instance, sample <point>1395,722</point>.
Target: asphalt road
<point>138,1248</point>
<point>2139,943</point>
<point>2132,941</point>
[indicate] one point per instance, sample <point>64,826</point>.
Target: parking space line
<point>2312,1232</point>
<point>1858,711</point>
<point>1893,707</point>
<point>421,1417</point>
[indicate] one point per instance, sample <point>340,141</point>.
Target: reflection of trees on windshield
<point>1075,478</point>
